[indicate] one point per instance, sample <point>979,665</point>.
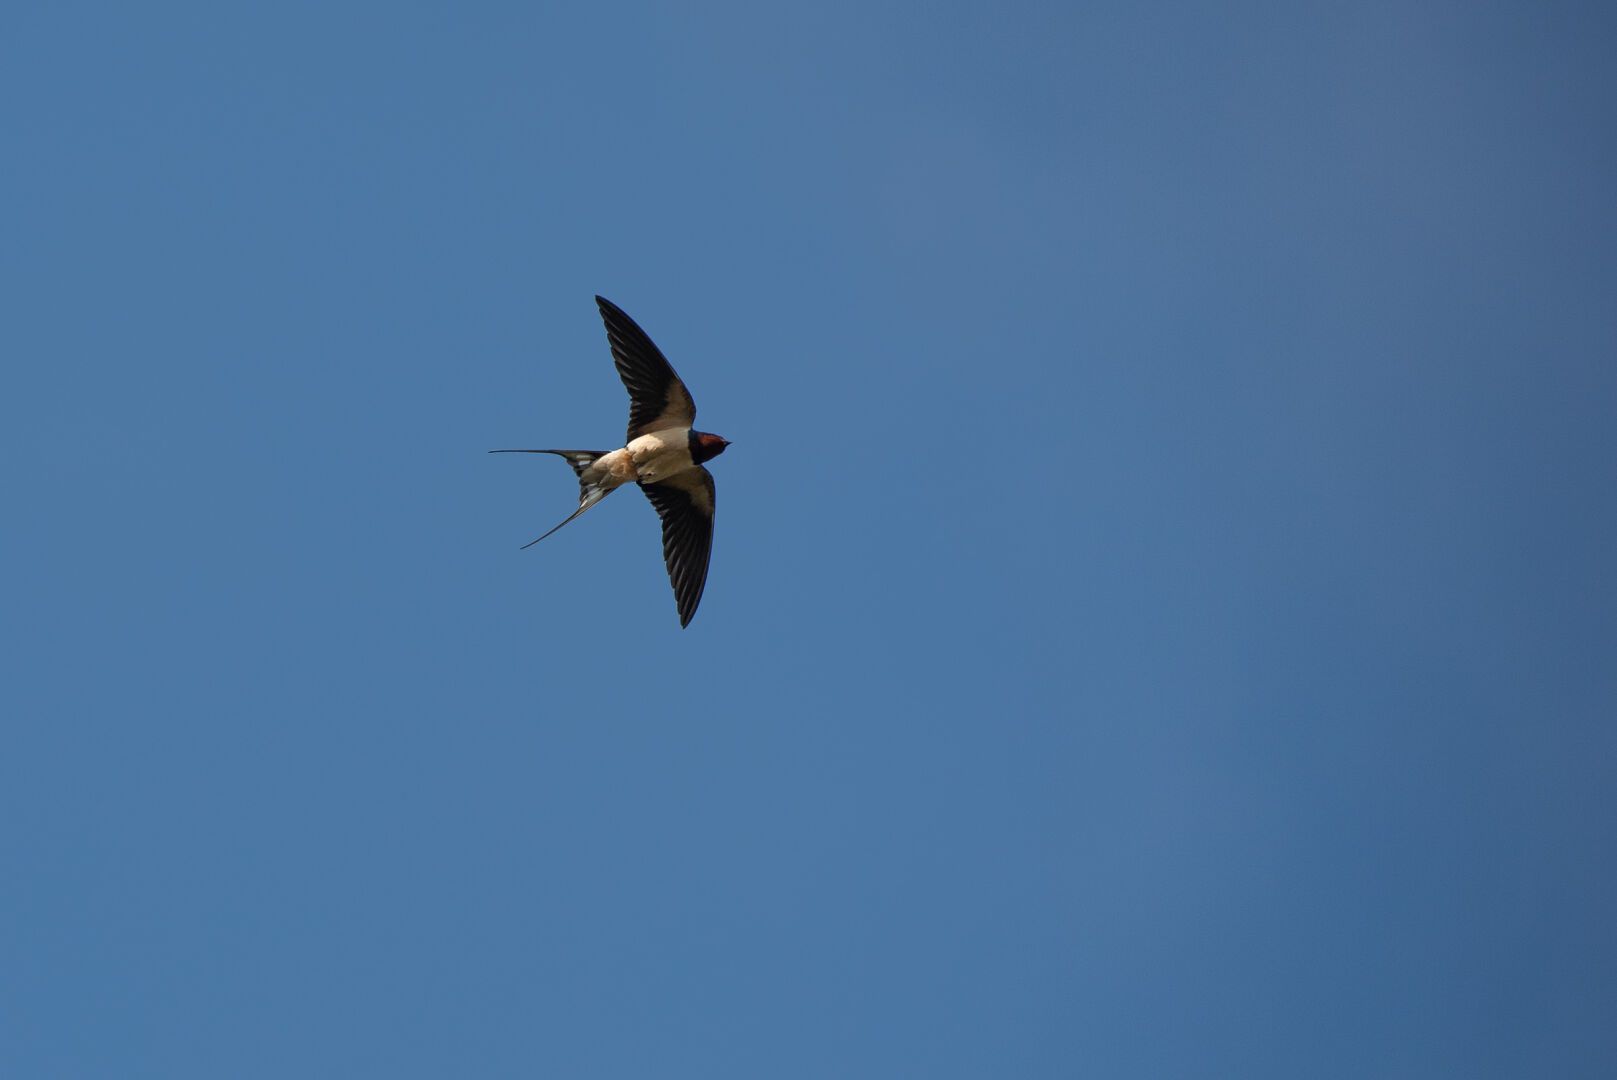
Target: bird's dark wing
<point>657,399</point>
<point>685,503</point>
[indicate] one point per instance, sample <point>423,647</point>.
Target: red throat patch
<point>706,446</point>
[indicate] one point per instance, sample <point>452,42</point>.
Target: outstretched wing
<point>657,399</point>
<point>685,503</point>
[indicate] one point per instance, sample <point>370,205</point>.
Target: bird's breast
<point>657,455</point>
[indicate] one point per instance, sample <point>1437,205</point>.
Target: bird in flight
<point>663,454</point>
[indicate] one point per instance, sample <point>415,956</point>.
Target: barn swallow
<point>663,454</point>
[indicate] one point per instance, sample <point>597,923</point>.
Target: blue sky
<point>1163,606</point>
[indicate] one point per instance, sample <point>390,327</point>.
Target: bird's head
<point>707,446</point>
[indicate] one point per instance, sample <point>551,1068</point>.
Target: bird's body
<point>650,458</point>
<point>664,454</point>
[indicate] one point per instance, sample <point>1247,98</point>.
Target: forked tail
<point>588,493</point>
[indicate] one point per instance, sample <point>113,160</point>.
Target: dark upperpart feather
<point>685,502</point>
<point>657,399</point>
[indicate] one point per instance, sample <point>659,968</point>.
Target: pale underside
<point>648,459</point>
